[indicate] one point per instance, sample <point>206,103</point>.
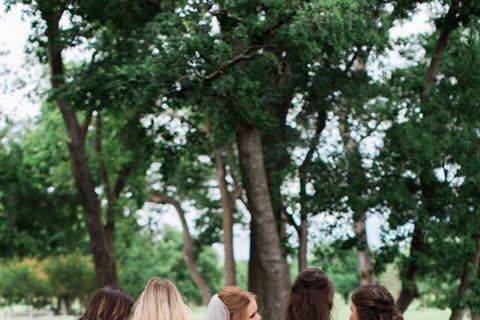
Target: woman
<point>311,297</point>
<point>160,300</point>
<point>108,303</point>
<point>373,303</point>
<point>233,303</point>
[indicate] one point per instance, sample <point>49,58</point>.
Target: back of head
<point>375,302</point>
<point>108,303</point>
<point>311,297</point>
<point>236,300</point>
<point>160,301</point>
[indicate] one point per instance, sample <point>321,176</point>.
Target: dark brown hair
<point>236,300</point>
<point>311,297</point>
<point>375,302</point>
<point>108,303</point>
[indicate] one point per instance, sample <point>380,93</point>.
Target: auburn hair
<point>311,297</point>
<point>236,300</point>
<point>375,302</point>
<point>108,303</point>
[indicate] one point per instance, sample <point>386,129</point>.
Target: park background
<point>237,142</point>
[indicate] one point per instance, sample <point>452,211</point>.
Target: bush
<point>23,282</point>
<point>69,277</point>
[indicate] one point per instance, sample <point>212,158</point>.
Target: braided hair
<point>375,302</point>
<point>311,297</point>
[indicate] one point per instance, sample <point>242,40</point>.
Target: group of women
<point>311,298</point>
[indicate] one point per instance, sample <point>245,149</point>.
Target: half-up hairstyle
<point>375,302</point>
<point>311,297</point>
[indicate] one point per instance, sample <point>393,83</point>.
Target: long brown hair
<point>375,302</point>
<point>311,297</point>
<point>108,303</point>
<point>236,300</point>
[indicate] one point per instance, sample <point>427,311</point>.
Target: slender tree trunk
<point>409,289</point>
<point>365,264</point>
<point>409,275</point>
<point>228,207</point>
<point>188,255</point>
<point>367,276</point>
<point>469,272</point>
<point>267,244</point>
<point>104,262</point>
<point>476,315</point>
<point>303,244</point>
<point>303,173</point>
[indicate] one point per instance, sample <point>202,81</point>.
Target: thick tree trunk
<point>365,265</point>
<point>469,272</point>
<point>188,255</point>
<point>267,245</point>
<point>104,262</point>
<point>228,207</point>
<point>409,275</point>
<point>276,159</point>
<point>256,273</point>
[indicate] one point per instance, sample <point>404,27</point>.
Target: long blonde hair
<point>160,301</point>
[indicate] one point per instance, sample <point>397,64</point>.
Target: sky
<point>21,75</point>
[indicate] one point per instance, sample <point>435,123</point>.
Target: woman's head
<point>160,300</point>
<point>108,303</point>
<point>373,303</point>
<point>241,304</point>
<point>311,297</point>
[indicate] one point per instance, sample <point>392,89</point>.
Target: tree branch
<point>319,126</point>
<point>122,177</point>
<point>86,124</point>
<point>187,244</point>
<point>292,221</point>
<point>450,23</point>
<point>247,54</point>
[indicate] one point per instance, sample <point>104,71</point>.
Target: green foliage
<point>171,91</point>
<point>70,277</point>
<point>24,282</point>
<point>142,254</point>
<point>40,213</point>
<point>341,267</point>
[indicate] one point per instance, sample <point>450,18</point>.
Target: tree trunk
<point>365,264</point>
<point>303,244</point>
<point>267,244</point>
<point>409,289</point>
<point>408,276</point>
<point>474,316</point>
<point>228,207</point>
<point>104,262</point>
<point>367,276</point>
<point>188,256</point>
<point>469,272</point>
<point>256,273</point>
<point>276,160</point>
